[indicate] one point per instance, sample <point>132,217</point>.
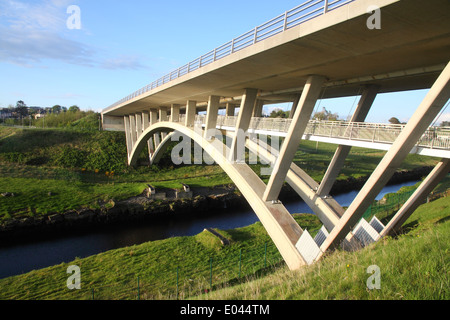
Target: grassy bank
<point>79,168</point>
<point>413,265</point>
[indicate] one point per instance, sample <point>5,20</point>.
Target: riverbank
<point>201,267</point>
<point>140,209</point>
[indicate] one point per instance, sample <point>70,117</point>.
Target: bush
<point>70,157</point>
<point>107,152</point>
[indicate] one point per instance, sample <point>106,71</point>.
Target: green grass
<point>413,265</point>
<point>32,197</point>
<point>113,275</point>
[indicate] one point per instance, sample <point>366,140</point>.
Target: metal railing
<point>306,11</point>
<point>433,138</point>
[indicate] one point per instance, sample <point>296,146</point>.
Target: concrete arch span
<point>276,219</point>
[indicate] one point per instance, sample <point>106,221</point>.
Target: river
<point>23,258</point>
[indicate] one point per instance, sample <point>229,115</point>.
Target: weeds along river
<point>23,258</point>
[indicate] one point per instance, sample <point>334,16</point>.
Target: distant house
<point>5,113</point>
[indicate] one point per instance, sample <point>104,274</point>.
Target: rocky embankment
<point>141,208</point>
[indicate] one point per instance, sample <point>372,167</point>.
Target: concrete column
<point>153,116</point>
<point>301,118</point>
<point>162,118</point>
<point>191,110</point>
<point>175,113</point>
<point>326,209</point>
<point>126,120</point>
<point>212,114</point>
<point>156,139</point>
<point>145,120</point>
<point>294,106</point>
<point>336,164</point>
<point>133,130</point>
<point>138,125</point>
<point>230,110</point>
<point>417,198</point>
<point>145,126</point>
<point>163,114</point>
<point>237,150</point>
<point>433,103</point>
<point>257,111</point>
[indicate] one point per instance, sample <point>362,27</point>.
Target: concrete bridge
<point>318,50</point>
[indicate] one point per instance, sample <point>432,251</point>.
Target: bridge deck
<point>408,52</point>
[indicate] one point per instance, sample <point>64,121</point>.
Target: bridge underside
<point>333,55</point>
<point>341,227</point>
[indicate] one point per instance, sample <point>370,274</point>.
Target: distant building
<point>34,110</point>
<point>5,113</point>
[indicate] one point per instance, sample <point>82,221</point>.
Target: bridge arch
<point>276,219</point>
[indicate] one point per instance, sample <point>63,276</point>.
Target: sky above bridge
<point>51,53</point>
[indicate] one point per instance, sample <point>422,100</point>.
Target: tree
<point>326,115</point>
<point>278,113</point>
<point>56,109</point>
<point>445,124</point>
<point>74,109</point>
<point>21,108</point>
<point>394,120</point>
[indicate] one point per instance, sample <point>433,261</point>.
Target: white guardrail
<point>306,11</point>
<point>433,138</point>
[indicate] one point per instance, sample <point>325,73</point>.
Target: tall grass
<point>413,266</point>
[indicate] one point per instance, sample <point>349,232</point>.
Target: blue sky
<point>125,45</point>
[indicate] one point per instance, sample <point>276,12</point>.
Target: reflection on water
<point>24,258</point>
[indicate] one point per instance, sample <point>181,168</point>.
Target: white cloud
<point>443,117</point>
<point>33,33</point>
<point>46,15</point>
<point>30,48</point>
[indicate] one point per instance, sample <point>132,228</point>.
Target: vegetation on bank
<point>414,265</point>
<point>55,170</point>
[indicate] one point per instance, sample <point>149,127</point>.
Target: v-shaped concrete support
<point>433,103</point>
<point>300,120</point>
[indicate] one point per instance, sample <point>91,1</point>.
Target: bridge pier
<point>337,162</point>
<point>230,110</point>
<point>191,111</point>
<point>428,110</point>
<point>211,116</point>
<point>417,198</point>
<point>306,104</point>
<point>327,209</point>
<point>175,113</point>
<point>237,150</point>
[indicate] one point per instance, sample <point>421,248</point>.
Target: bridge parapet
<point>433,138</point>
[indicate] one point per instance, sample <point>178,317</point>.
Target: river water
<point>23,258</point>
